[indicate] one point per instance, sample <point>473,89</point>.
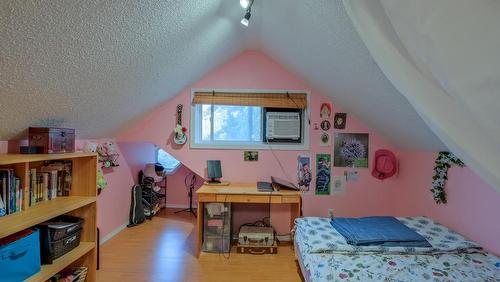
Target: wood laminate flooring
<point>163,249</point>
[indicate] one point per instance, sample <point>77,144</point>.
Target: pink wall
<point>473,206</point>
<point>177,193</point>
<point>113,204</point>
<point>137,155</point>
<point>3,147</point>
<point>255,70</point>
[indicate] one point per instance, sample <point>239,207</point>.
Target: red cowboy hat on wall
<point>385,164</point>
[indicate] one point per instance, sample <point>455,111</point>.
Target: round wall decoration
<point>325,125</point>
<point>324,139</point>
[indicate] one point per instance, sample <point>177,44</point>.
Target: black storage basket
<point>58,236</point>
<point>62,226</point>
<point>61,247</point>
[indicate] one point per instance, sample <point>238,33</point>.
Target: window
<point>240,123</point>
<point>170,163</point>
<point>220,124</point>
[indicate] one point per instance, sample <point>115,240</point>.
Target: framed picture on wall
<point>304,174</point>
<point>350,150</point>
<point>325,111</point>
<point>250,156</point>
<point>339,120</point>
<point>323,174</point>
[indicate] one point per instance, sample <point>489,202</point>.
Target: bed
<point>324,255</point>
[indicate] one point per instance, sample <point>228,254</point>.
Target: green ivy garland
<point>443,163</point>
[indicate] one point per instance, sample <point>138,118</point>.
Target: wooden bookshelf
<point>41,212</point>
<point>26,158</point>
<point>81,202</point>
<point>48,270</point>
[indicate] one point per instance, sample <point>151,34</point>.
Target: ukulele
<point>179,136</point>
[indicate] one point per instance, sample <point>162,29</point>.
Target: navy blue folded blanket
<point>378,230</point>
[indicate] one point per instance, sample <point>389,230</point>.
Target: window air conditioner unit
<point>283,125</point>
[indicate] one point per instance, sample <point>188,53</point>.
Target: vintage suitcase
<point>256,235</point>
<point>52,140</point>
<point>257,250</point>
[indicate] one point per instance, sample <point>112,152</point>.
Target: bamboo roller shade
<point>271,100</point>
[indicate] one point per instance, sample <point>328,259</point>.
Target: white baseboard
<point>112,233</point>
<point>175,206</point>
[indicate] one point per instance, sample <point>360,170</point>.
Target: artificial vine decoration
<point>443,163</point>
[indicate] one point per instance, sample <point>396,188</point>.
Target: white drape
<point>444,57</point>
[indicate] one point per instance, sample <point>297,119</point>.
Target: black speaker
<point>214,171</point>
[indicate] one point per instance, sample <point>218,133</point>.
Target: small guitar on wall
<point>180,132</point>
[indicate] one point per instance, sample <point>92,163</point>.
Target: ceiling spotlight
<point>245,20</point>
<point>246,3</point>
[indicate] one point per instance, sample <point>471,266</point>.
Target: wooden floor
<point>164,250</point>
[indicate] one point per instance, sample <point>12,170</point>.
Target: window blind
<point>271,100</point>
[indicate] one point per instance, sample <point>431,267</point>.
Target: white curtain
<point>444,57</point>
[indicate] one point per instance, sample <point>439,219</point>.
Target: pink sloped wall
<point>255,70</point>
<point>113,203</point>
<point>137,155</point>
<point>473,206</point>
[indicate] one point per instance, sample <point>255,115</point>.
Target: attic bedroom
<point>249,140</point>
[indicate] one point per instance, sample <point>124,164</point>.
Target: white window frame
<point>229,145</point>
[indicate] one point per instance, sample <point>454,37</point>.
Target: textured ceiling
<point>98,65</point>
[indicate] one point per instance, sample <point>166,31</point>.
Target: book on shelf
<point>11,192</point>
<point>50,181</point>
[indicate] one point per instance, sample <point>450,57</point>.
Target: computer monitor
<point>214,171</point>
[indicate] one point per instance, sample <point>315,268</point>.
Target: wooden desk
<point>244,193</point>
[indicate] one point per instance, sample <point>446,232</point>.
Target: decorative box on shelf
<point>44,140</point>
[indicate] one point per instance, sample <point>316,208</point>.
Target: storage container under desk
<point>217,227</point>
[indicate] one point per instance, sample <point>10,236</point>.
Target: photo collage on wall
<point>350,150</point>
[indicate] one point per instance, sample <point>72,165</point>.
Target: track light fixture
<point>245,20</point>
<point>246,4</point>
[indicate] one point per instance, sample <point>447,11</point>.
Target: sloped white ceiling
<point>443,56</point>
<point>318,41</point>
<point>98,65</point>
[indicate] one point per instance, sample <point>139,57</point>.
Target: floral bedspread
<point>318,236</point>
<point>327,257</point>
<point>377,267</point>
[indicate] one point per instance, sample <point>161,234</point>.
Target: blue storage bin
<point>20,259</point>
